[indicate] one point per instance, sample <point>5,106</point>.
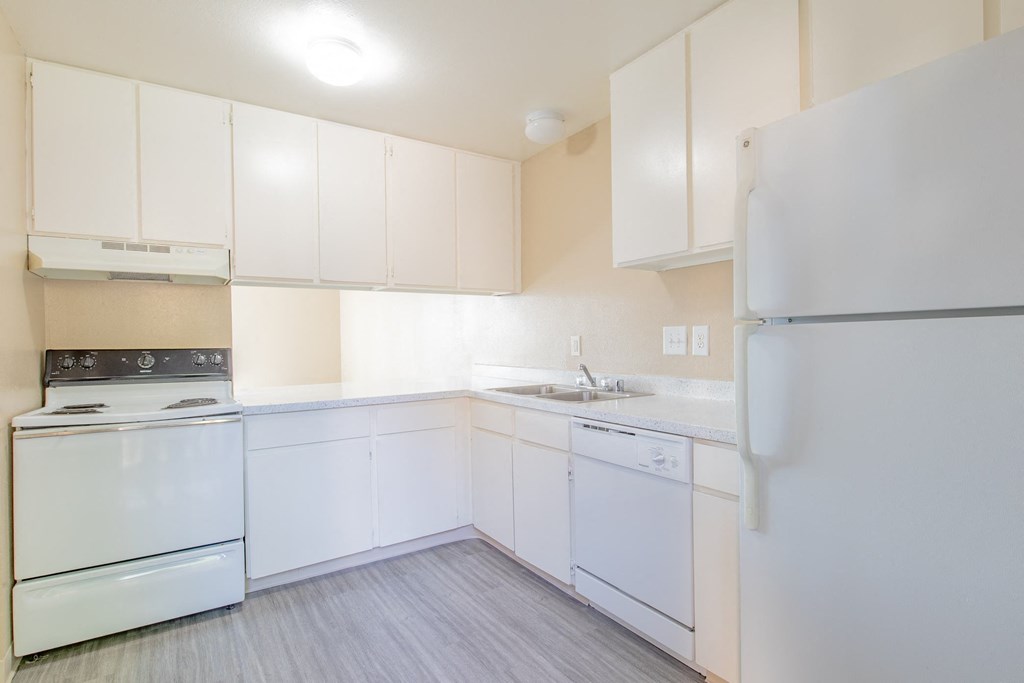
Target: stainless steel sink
<point>534,389</point>
<point>588,395</point>
<point>557,392</point>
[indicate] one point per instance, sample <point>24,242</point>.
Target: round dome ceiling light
<point>335,61</point>
<point>545,126</point>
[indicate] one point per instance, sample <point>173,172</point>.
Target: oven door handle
<point>101,429</point>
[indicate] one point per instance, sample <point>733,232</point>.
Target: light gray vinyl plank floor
<point>458,612</point>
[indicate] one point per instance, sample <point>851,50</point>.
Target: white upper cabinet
<point>299,201</point>
<point>275,195</point>
<point>421,214</point>
<point>84,163</point>
<point>353,227</point>
<point>485,208</point>
<point>744,72</point>
<point>857,43</point>
<point>185,166</point>
<point>649,151</point>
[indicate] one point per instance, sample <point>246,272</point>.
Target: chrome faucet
<point>590,378</point>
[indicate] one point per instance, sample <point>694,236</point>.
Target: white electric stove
<point>128,494</point>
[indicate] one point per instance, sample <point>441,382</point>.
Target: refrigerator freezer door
<point>902,196</point>
<point>891,542</point>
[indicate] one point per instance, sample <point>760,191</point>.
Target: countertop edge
<point>593,411</point>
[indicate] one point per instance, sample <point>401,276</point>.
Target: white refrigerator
<point>880,380</point>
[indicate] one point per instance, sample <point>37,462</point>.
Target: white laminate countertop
<point>702,418</point>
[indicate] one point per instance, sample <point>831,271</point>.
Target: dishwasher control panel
<point>664,455</point>
<point>660,456</point>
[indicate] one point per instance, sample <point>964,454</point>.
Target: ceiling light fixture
<point>545,126</point>
<point>335,61</point>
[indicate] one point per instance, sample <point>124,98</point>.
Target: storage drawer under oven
<point>88,496</point>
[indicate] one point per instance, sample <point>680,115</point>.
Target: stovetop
<point>77,405</point>
<point>132,386</point>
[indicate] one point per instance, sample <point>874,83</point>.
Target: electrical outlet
<point>673,340</point>
<point>701,343</point>
<point>574,345</point>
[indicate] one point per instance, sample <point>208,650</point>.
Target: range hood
<point>68,258</point>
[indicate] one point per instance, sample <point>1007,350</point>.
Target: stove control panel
<point>137,365</point>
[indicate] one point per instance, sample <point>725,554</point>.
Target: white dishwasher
<point>633,511</point>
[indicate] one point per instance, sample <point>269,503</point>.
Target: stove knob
<point>146,361</point>
<point>67,362</point>
<point>216,359</point>
<point>88,362</point>
<point>199,359</point>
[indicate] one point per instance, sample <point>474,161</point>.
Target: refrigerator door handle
<point>746,180</point>
<point>751,483</point>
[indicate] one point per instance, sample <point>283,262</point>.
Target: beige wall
<point>285,336</point>
<point>278,336</point>
<point>21,297</point>
<point>131,315</point>
<point>569,287</point>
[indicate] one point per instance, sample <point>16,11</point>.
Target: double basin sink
<point>557,392</point>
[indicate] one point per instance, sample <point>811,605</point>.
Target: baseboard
<point>564,587</point>
<point>10,664</point>
<point>461,534</point>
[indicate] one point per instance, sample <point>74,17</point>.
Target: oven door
<point>89,496</point>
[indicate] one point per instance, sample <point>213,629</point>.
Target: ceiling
<point>462,73</point>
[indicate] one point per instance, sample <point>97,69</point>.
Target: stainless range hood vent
<point>68,258</point>
<point>144,277</point>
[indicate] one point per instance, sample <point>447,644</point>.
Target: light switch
<point>574,345</point>
<point>673,340</point>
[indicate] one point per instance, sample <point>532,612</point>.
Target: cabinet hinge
<point>570,475</point>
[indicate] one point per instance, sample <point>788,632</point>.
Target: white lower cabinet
<point>492,486</point>
<point>521,484</point>
<point>307,504</point>
<point>541,502</point>
<point>716,524</point>
<point>417,489</point>
<point>324,484</point>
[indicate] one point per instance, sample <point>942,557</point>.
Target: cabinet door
<point>307,504</point>
<point>185,166</point>
<point>649,193</point>
<point>417,474</point>
<point>275,195</point>
<point>716,584</point>
<point>492,486</point>
<point>857,43</point>
<point>485,191</point>
<point>541,504</point>
<point>353,243</point>
<point>744,72</point>
<point>83,153</point>
<point>421,214</point>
